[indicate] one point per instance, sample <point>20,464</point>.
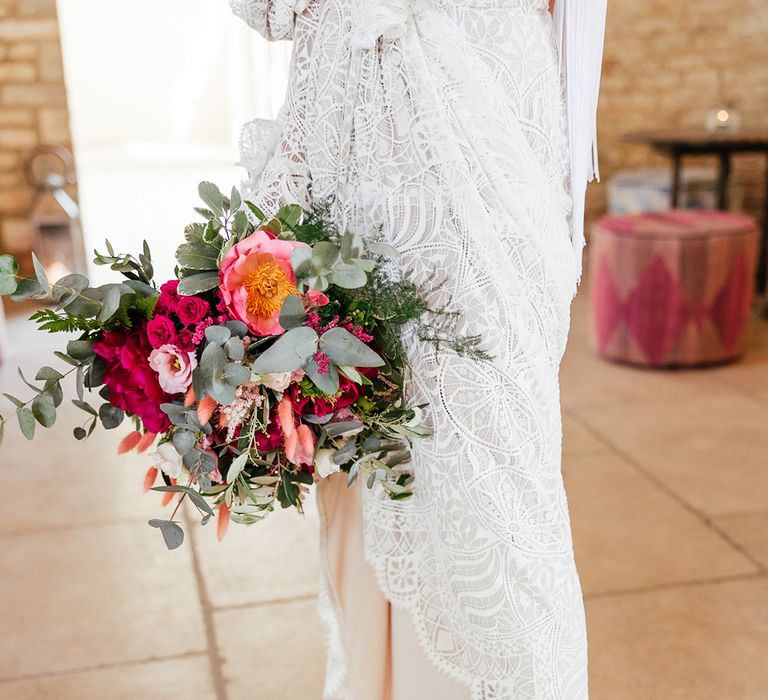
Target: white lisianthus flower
<point>324,464</point>
<point>167,459</point>
<point>279,381</point>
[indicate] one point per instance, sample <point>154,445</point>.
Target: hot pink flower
<point>256,278</point>
<point>132,384</point>
<point>191,310</point>
<point>161,331</point>
<point>174,368</point>
<point>169,297</point>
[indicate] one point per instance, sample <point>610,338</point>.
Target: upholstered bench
<point>672,288</point>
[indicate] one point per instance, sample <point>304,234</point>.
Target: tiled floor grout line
<point>705,519</point>
<point>265,603</point>
<point>677,585</point>
<point>214,656</point>
<point>100,667</point>
<point>69,527</point>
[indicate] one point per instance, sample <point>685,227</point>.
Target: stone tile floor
<point>667,475</point>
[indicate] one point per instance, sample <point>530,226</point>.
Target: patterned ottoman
<point>672,288</point>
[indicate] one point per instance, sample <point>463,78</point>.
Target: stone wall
<point>663,62</point>
<point>33,107</point>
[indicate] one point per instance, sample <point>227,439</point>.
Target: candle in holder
<point>724,118</point>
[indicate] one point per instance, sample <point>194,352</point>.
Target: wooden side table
<point>678,144</point>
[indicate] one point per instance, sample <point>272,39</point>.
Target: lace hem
<point>258,142</point>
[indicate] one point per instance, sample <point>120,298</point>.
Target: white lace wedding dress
<point>445,124</point>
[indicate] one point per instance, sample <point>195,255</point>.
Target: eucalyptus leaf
<point>345,349</point>
<point>301,261</point>
<point>44,410</point>
<point>29,288</point>
<point>235,349</point>
<point>141,288</point>
<point>184,441</point>
<point>348,277</point>
<point>221,391</point>
<point>292,313</point>
<point>327,382</point>
<point>383,249</point>
<point>79,433</point>
<point>110,303</point>
<point>237,328</point>
<point>80,349</point>
<point>172,533</point>
<point>16,402</point>
<point>67,288</point>
<point>290,352</point>
<point>217,334</point>
<point>66,358</point>
<point>40,274</point>
<point>111,416</point>
<point>213,358</point>
<point>9,268</point>
<point>235,375</point>
<point>195,284</point>
<point>201,503</point>
<point>53,389</point>
<point>324,255</point>
<point>26,422</point>
<point>46,373</point>
<point>87,303</point>
<point>84,406</point>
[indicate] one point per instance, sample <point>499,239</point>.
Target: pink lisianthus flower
<point>174,368</point>
<point>256,278</point>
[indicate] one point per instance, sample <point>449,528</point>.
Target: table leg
<point>762,260</point>
<point>676,168</point>
<point>722,181</point>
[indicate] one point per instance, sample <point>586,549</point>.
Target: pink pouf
<point>672,288</point>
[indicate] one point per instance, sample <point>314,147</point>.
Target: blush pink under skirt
<point>383,656</point>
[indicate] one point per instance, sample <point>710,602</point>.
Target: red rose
<point>320,405</point>
<point>273,438</point>
<point>161,331</point>
<point>192,310</point>
<point>169,297</point>
<point>184,340</point>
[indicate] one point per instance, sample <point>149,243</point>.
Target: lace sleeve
<point>273,19</point>
<point>379,18</point>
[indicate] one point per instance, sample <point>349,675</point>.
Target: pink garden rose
<point>256,278</point>
<point>174,368</point>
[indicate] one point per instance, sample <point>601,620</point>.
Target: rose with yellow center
<point>256,278</point>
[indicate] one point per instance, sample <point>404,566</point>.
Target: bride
<point>464,131</point>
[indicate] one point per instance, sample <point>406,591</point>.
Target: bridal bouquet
<point>274,359</point>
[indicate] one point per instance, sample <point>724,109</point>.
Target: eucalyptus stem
<point>4,420</point>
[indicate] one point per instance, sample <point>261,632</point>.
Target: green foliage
<point>49,320</point>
